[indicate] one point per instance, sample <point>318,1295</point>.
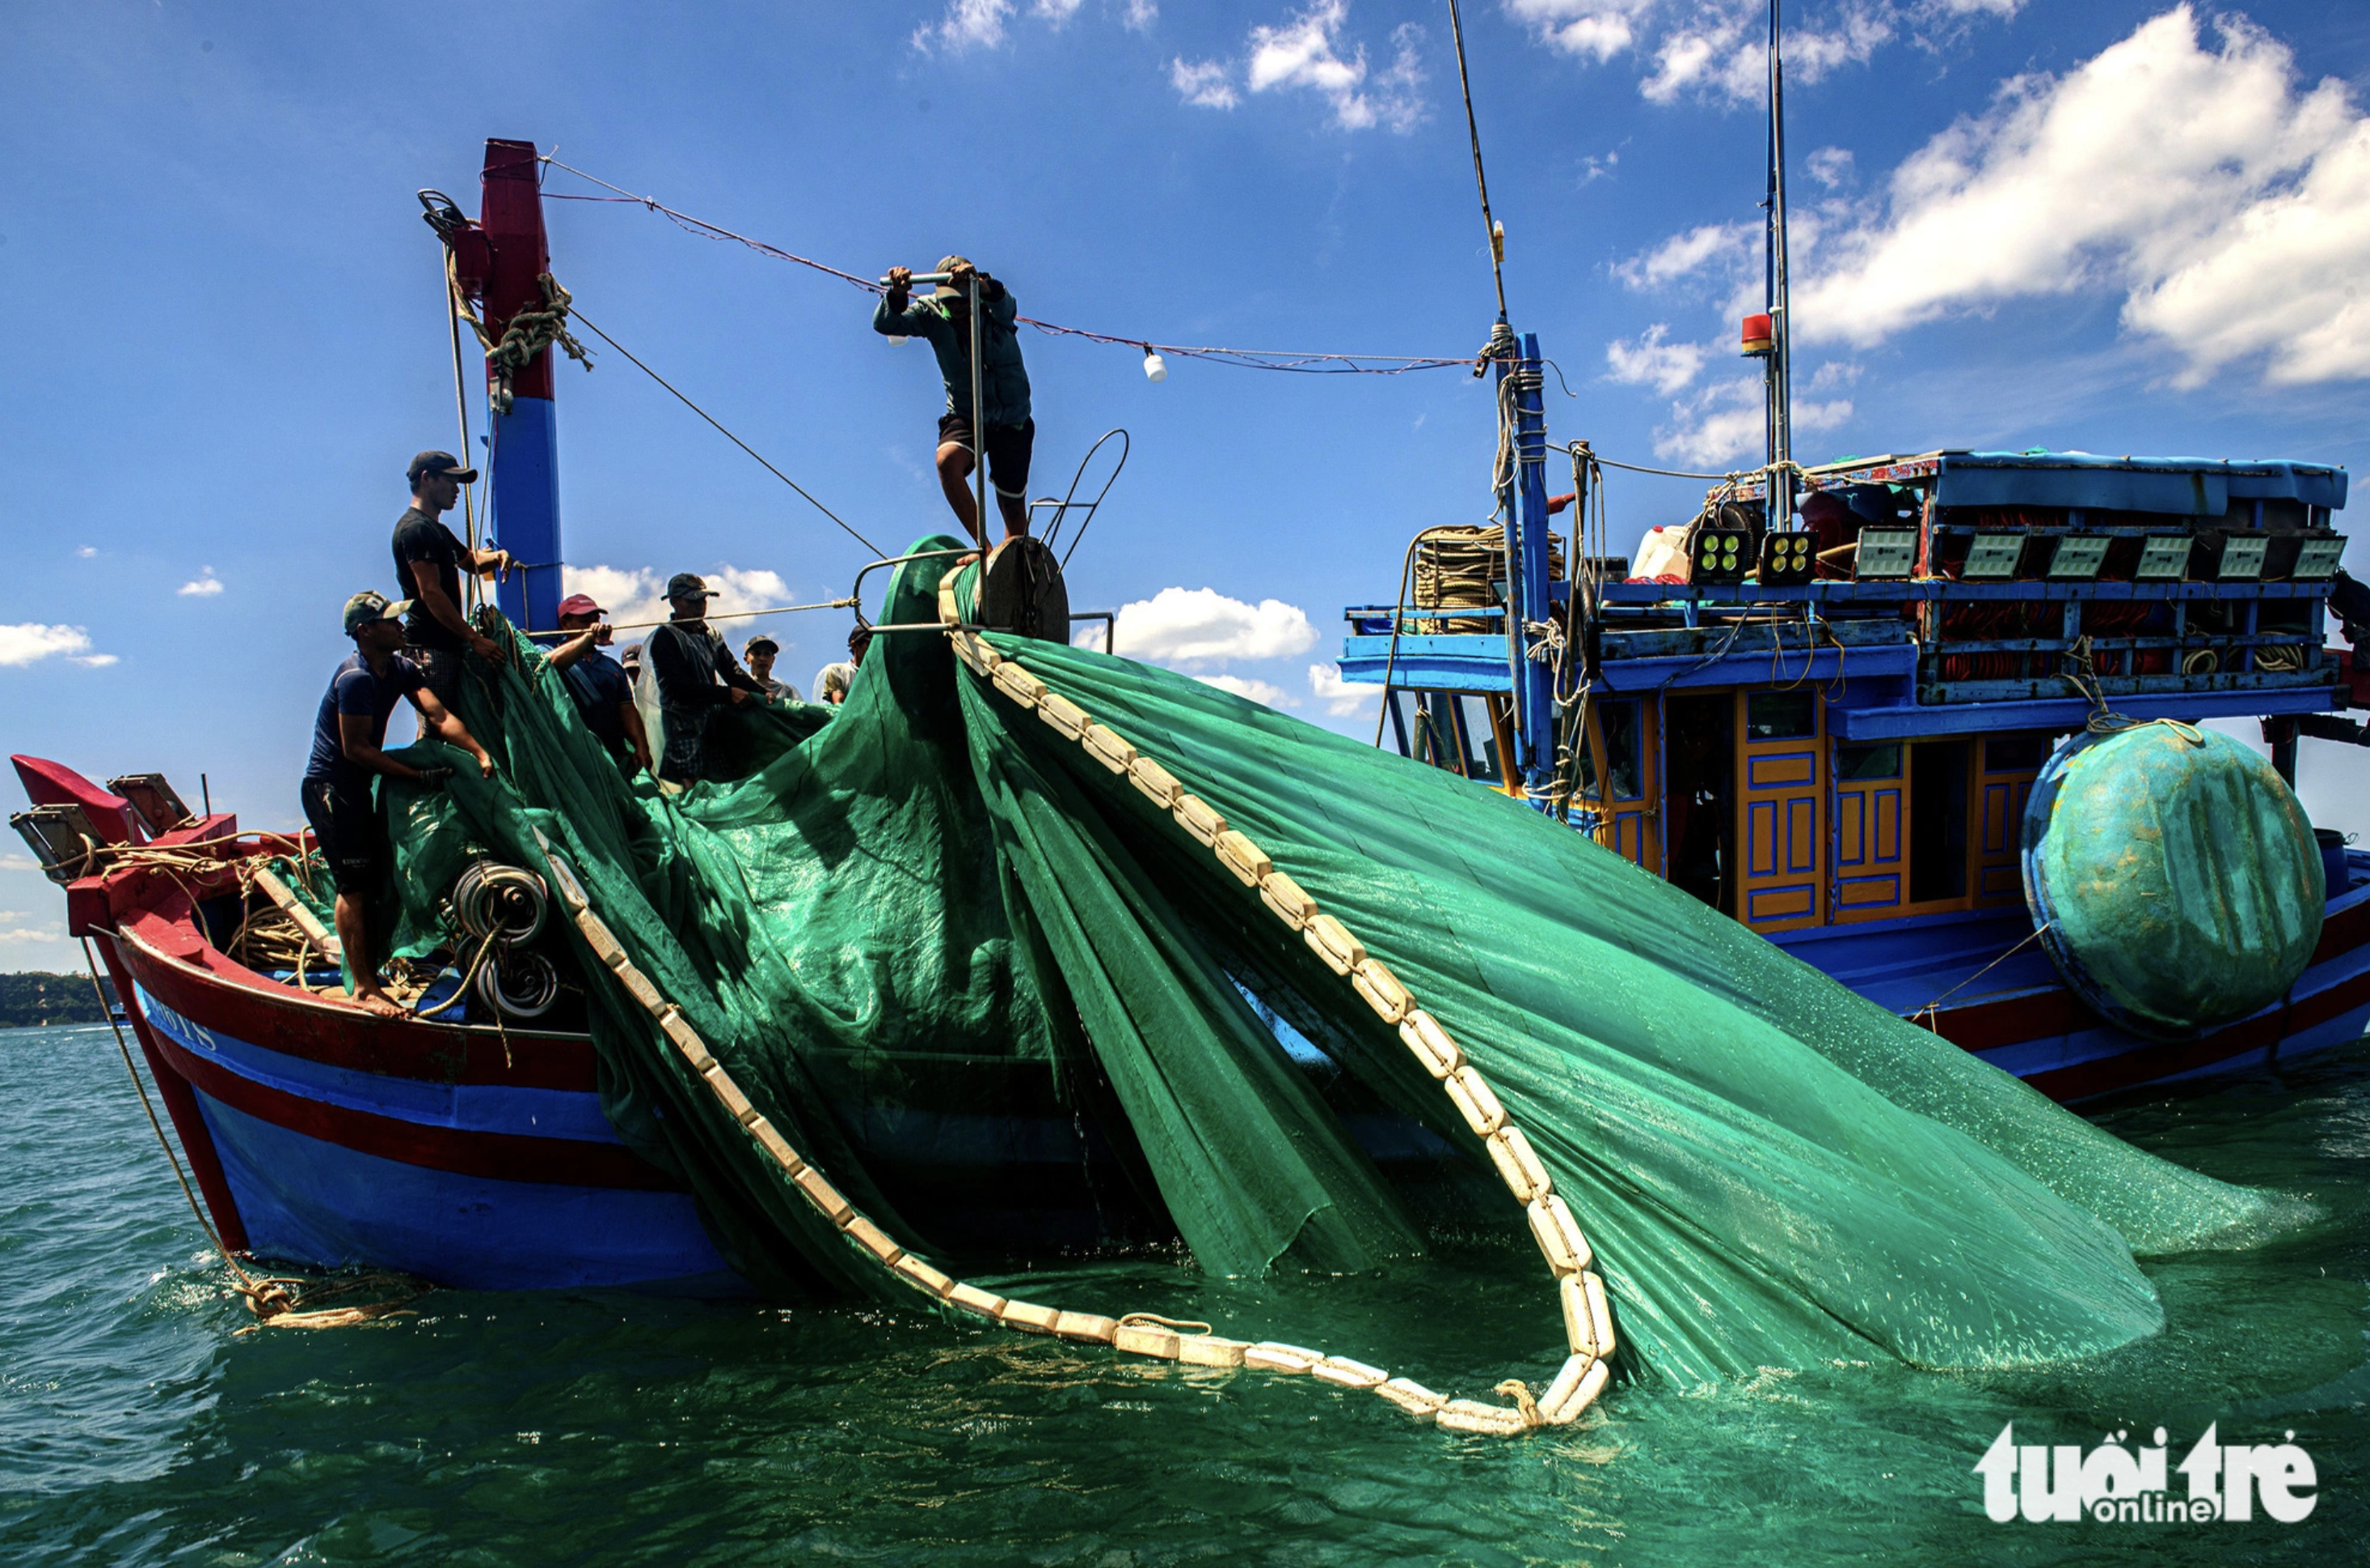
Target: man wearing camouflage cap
<point>349,732</point>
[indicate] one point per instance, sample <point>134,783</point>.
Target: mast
<point>524,514</point>
<point>1780,367</point>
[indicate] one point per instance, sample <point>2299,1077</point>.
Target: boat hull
<point>330,1138</point>
<point>1983,986</point>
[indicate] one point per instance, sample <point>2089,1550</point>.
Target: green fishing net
<point>923,933</point>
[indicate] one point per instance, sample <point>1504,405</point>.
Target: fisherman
<point>695,674</point>
<point>602,691</point>
<point>945,320</point>
<point>348,733</point>
<point>761,651</point>
<point>832,680</point>
<point>428,565</point>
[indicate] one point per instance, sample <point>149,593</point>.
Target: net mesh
<point>1012,1010</point>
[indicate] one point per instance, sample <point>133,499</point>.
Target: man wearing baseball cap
<point>428,565</point>
<point>695,674</point>
<point>603,692</point>
<point>349,732</point>
<point>761,651</point>
<point>1008,431</point>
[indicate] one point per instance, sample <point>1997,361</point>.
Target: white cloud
<point>1727,424</point>
<point>94,661</point>
<point>968,24</point>
<point>32,934</point>
<point>1264,693</point>
<point>1306,53</point>
<point>1594,29</point>
<point>638,594</point>
<point>31,642</point>
<point>1188,626</point>
<point>12,862</point>
<point>1341,698</point>
<point>1202,84</point>
<point>205,585</point>
<point>1719,248</point>
<point>983,24</point>
<point>2228,200</point>
<point>1720,51</point>
<point>87,551</point>
<point>1650,361</point>
<point>1831,166</point>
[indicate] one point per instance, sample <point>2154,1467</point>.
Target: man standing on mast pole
<point>1008,431</point>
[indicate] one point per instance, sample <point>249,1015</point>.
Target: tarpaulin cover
<point>936,886</point>
<point>2173,876</point>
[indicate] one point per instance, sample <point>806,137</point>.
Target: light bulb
<point>1154,367</point>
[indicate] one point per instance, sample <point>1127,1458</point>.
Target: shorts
<point>441,668</point>
<point>345,821</point>
<point>1007,450</point>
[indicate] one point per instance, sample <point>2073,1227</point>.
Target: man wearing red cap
<point>599,684</point>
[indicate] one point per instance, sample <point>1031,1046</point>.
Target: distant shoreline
<point>34,998</point>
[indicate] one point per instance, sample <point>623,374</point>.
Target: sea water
<point>138,1426</point>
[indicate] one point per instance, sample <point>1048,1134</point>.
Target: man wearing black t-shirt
<point>347,734</point>
<point>428,565</point>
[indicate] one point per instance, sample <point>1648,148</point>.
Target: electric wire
<point>1473,133</point>
<point>728,435</point>
<point>1291,360</point>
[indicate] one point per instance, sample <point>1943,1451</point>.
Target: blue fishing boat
<point>1845,762</point>
<point>1831,704</point>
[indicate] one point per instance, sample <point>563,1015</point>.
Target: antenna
<point>1781,355</point>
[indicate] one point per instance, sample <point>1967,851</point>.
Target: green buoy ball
<point>2173,875</point>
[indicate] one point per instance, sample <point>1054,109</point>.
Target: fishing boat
<point>474,1143</point>
<point>1824,703</point>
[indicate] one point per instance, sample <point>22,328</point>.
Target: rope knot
<point>1519,1391</point>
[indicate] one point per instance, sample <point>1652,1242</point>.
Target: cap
<point>440,463</point>
<point>686,584</point>
<point>949,264</point>
<point>758,642</point>
<point>630,654</point>
<point>368,605</point>
<point>579,604</point>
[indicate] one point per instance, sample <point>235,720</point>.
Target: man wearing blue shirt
<point>349,733</point>
<point>599,685</point>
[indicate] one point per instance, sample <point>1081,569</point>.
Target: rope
<point>527,334</point>
<point>1399,614</point>
<point>1291,360</point>
<point>279,1301</point>
<point>2105,721</point>
<point>726,614</point>
<point>1927,1013</point>
<point>728,435</point>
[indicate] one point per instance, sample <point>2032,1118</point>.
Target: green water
<point>607,1427</point>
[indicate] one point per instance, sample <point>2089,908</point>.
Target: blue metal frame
<point>524,511</point>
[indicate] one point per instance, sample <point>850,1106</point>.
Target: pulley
<point>1022,589</point>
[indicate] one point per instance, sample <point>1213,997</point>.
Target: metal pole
<point>1529,565</point>
<point>978,418</point>
<point>1781,357</point>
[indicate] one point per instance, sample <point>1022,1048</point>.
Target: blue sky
<point>2116,227</point>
